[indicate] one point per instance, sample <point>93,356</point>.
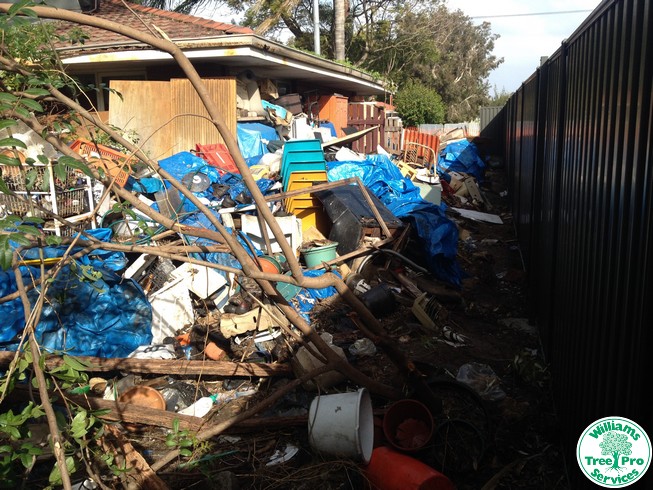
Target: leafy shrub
<point>418,104</point>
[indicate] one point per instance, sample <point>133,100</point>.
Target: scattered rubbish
<point>341,425</point>
<point>315,254</point>
<point>450,335</point>
<point>304,361</point>
<point>427,311</point>
<point>143,396</point>
<point>362,347</point>
<point>482,379</point>
<point>284,455</point>
<point>479,216</point>
<point>181,302</point>
<point>203,405</point>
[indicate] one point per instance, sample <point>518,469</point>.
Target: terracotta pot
<point>143,396</point>
<point>214,352</point>
<point>408,425</point>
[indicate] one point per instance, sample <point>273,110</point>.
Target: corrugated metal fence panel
<point>487,114</point>
<point>581,184</point>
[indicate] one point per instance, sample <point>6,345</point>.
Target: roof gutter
<point>246,45</point>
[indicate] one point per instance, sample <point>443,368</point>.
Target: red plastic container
<point>392,470</point>
<point>218,156</point>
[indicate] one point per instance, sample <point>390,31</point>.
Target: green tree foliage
<point>418,104</point>
<point>500,97</point>
<point>418,40</point>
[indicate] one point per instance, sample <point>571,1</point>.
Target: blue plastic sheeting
<point>280,111</point>
<point>462,156</point>
<point>200,220</point>
<point>99,259</point>
<point>239,187</point>
<point>306,298</point>
<point>437,233</point>
<point>252,140</point>
<point>331,126</point>
<point>183,163</point>
<point>146,185</point>
<point>104,317</point>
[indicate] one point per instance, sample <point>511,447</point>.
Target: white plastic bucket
<point>342,425</point>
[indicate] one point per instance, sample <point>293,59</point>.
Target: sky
<point>524,39</point>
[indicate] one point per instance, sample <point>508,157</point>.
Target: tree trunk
<point>339,29</point>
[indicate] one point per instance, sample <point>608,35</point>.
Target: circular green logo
<point>614,452</point>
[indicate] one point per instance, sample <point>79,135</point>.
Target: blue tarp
<point>461,156</point>
<point>437,233</point>
<point>253,139</point>
<point>100,315</point>
<point>183,163</point>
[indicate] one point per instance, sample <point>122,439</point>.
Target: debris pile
<point>249,321</point>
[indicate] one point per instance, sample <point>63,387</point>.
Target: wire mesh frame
<point>419,154</point>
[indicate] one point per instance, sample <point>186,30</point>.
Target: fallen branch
<point>178,367</point>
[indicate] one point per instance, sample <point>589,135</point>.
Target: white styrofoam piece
<point>201,280</point>
<point>290,226</point>
<point>172,310</point>
<point>136,269</point>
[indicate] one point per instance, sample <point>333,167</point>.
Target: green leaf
<point>6,123</point>
<point>60,172</point>
<point>74,363</point>
<point>13,142</point>
<point>9,160</point>
<point>6,256</point>
<point>20,239</point>
<point>43,159</point>
<point>37,92</point>
<point>27,460</point>
<point>22,112</point>
<point>3,187</point>
<point>171,443</point>
<point>53,240</point>
<point>8,98</point>
<point>79,426</point>
<point>185,452</point>
<point>31,230</point>
<point>30,178</point>
<point>186,443</point>
<point>76,164</point>
<point>55,474</point>
<point>32,105</point>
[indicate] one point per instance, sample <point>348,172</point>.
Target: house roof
<point>177,27</point>
<point>234,47</point>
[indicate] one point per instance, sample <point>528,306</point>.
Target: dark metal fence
<point>579,150</point>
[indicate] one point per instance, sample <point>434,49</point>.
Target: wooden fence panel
<point>168,116</point>
<point>363,116</point>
